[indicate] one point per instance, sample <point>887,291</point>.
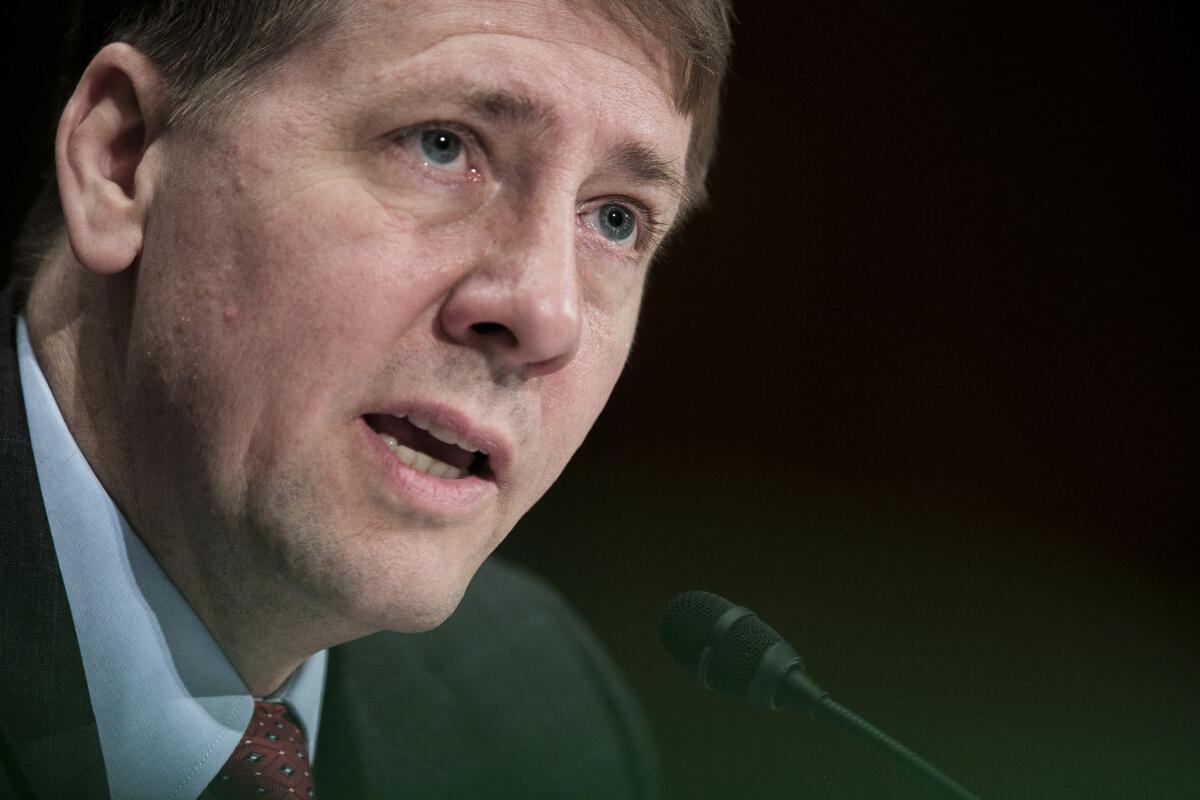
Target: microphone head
<point>686,623</point>
<point>737,659</point>
<point>728,648</point>
<point>720,644</point>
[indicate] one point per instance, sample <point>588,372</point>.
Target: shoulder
<point>512,696</point>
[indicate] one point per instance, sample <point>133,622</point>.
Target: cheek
<point>320,282</point>
<point>250,311</point>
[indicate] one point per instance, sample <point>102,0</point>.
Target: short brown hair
<point>211,51</point>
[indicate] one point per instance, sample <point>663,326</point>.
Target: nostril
<point>494,330</point>
<point>486,328</point>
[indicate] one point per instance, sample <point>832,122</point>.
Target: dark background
<point>913,390</point>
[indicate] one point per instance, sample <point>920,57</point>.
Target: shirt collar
<point>160,685</point>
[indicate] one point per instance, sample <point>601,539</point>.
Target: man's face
<point>441,217</point>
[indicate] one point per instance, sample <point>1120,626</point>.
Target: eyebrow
<point>512,110</point>
<point>646,166</point>
<point>632,159</point>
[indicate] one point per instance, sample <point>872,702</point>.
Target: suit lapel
<point>48,730</point>
<point>380,726</point>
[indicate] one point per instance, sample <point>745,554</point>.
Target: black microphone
<point>728,648</point>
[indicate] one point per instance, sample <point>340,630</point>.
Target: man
<point>336,290</point>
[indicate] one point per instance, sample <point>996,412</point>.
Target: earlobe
<point>104,158</point>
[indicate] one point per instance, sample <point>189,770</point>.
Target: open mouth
<point>429,448</point>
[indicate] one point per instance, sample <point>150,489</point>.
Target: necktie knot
<point>270,761</point>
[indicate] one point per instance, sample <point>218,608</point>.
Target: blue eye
<point>440,147</point>
<point>615,222</point>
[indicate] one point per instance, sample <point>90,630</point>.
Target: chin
<point>408,599</point>
<point>417,615</point>
<point>408,578</point>
<point>415,609</point>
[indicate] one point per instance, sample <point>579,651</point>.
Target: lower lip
<point>425,491</point>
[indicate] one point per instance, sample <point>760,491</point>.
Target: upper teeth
<point>443,434</point>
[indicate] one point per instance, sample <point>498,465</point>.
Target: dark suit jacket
<point>511,698</point>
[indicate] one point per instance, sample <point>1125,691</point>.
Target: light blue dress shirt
<point>169,706</point>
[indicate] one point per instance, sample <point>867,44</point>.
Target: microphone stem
<point>830,709</point>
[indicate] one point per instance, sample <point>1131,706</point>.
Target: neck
<point>80,343</point>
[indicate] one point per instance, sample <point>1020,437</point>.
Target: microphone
<point>728,648</point>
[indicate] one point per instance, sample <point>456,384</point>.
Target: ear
<point>105,165</point>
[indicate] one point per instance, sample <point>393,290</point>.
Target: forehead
<point>412,25</point>
<point>566,54</point>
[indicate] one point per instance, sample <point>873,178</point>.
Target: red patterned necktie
<point>270,761</point>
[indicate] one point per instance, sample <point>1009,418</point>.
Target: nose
<point>520,303</point>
